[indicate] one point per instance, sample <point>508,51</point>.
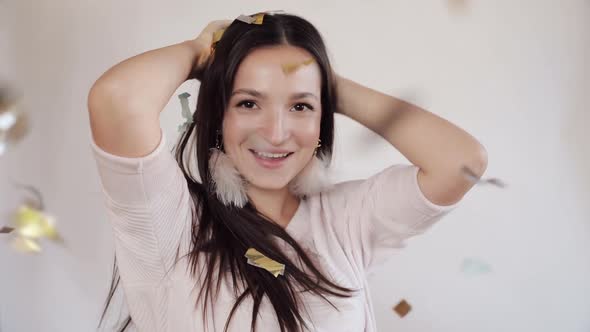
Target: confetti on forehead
<point>291,67</point>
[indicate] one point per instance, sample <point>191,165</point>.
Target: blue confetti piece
<point>473,266</point>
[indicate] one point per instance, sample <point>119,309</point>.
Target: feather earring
<point>229,186</point>
<point>314,178</point>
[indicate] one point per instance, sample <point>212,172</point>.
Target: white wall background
<point>515,74</point>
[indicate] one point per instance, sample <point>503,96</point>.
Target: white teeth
<point>271,155</point>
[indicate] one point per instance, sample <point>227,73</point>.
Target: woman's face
<point>273,112</point>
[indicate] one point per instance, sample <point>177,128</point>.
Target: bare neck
<point>278,205</point>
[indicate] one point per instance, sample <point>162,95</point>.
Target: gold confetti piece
<point>257,259</point>
<point>402,308</point>
<point>217,35</point>
<point>258,18</point>
<point>34,224</point>
<point>254,19</point>
<point>291,67</point>
<point>473,177</point>
<point>25,245</point>
<point>31,223</point>
<point>6,230</point>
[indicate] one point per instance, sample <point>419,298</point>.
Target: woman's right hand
<point>203,44</point>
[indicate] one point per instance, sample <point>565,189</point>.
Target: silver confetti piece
<point>186,112</point>
<point>473,178</point>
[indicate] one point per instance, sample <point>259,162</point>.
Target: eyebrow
<point>261,95</point>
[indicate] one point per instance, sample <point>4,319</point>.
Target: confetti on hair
<point>258,18</point>
<point>217,35</point>
<point>272,12</point>
<point>257,259</point>
<point>254,19</point>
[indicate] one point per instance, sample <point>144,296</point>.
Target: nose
<point>276,128</point>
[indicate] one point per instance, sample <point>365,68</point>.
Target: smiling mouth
<point>270,156</point>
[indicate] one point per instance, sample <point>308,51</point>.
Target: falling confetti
<point>473,266</point>
<point>402,308</point>
<point>257,259</point>
<point>36,201</point>
<point>14,123</point>
<point>25,245</point>
<point>457,6</point>
<point>473,177</point>
<point>31,224</point>
<point>6,230</point>
<point>34,224</point>
<point>186,112</point>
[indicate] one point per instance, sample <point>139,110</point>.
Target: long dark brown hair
<point>221,234</point>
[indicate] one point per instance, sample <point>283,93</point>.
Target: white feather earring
<point>314,178</point>
<point>229,186</point>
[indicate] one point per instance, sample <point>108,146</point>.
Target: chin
<point>268,183</point>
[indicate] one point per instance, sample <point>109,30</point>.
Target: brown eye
<point>246,104</point>
<point>301,107</point>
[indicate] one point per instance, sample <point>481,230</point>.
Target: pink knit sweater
<point>348,231</point>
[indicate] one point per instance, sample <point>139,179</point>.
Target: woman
<point>263,127</point>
